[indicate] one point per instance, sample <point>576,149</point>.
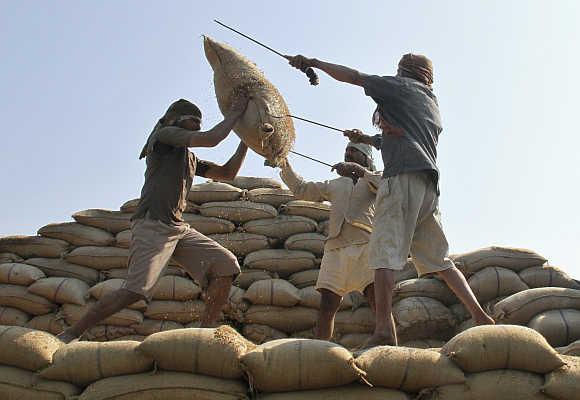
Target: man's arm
<point>339,72</point>
<point>302,190</point>
<point>230,169</point>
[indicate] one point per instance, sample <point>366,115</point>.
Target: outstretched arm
<point>230,169</point>
<point>303,190</point>
<point>339,72</point>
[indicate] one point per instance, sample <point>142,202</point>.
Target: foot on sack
<point>66,337</point>
<point>484,320</point>
<point>377,340</point>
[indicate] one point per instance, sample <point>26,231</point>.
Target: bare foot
<point>66,337</point>
<point>483,320</point>
<point>377,340</point>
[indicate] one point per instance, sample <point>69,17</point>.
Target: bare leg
<point>385,331</point>
<point>105,307</point>
<point>457,283</point>
<point>217,295</point>
<point>329,304</point>
<point>369,293</point>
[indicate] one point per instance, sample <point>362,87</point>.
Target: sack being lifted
<point>265,126</point>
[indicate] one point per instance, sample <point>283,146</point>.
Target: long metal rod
<point>316,123</point>
<point>252,39</point>
<point>310,158</point>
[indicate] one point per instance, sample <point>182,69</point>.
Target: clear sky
<point>83,83</point>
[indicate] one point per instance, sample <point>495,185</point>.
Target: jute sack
<point>281,227</point>
<point>299,364</point>
<point>105,333</point>
<point>408,272</point>
<point>17,296</point>
<point>547,276</point>
<point>213,191</point>
<point>131,206</point>
<point>171,287</point>
<point>573,349</point>
<point>13,316</point>
<point>409,369</point>
<point>507,257</point>
<point>18,384</point>
<point>237,211</point>
<point>323,227</point>
<point>426,287</point>
<point>99,257</point>
<point>274,197</point>
<point>261,333</point>
<point>134,338</point>
<point>424,344</point>
<point>9,258</point>
<point>237,304</point>
<point>33,246</point>
<point>460,312</point>
<point>521,307</point>
<point>348,392</point>
<point>285,319</point>
<point>310,297</point>
<point>559,327</point>
<point>312,242</point>
<point>423,318</point>
<point>214,352</point>
<point>304,279</point>
<point>111,221</point>
<point>241,243</point>
<point>49,323</point>
<point>77,234</point>
<point>73,313</point>
<point>165,385</point>
<point>183,312</point>
<point>491,282</point>
<point>564,383</point>
<point>502,347</point>
<point>61,290</point>
<point>123,239</point>
<point>62,268</point>
<point>353,340</point>
<point>274,292</point>
<point>151,326</point>
<point>82,363</point>
<point>253,182</point>
<point>112,285</point>
<point>249,276</point>
<point>19,274</point>
<point>26,348</point>
<point>209,225</point>
<point>361,320</point>
<point>283,262</point>
<point>316,211</point>
<point>496,385</point>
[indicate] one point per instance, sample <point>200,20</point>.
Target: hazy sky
<point>83,83</point>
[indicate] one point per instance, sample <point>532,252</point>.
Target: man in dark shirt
<point>407,218</point>
<point>158,230</point>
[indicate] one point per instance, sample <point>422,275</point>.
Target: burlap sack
<point>559,327</point>
<point>105,333</point>
<point>50,323</point>
<point>283,262</point>
<point>249,276</point>
<point>26,348</point>
<point>237,304</point>
<point>274,197</point>
<point>9,258</point>
<point>259,334</point>
<point>18,384</point>
<point>312,242</point>
<point>573,349</point>
<point>424,344</point>
<point>348,392</point>
<point>310,297</point>
<point>409,369</point>
<point>296,364</point>
<point>209,225</point>
<point>77,234</point>
<point>564,383</point>
<point>183,312</point>
<point>17,296</point>
<point>506,257</point>
<point>177,288</point>
<point>123,239</point>
<point>491,282</point>
<point>502,346</point>
<point>99,257</point>
<point>281,227</point>
<point>316,211</point>
<point>213,191</point>
<point>238,211</point>
<point>425,287</point>
<point>323,227</point>
<point>82,363</point>
<point>459,312</point>
<point>214,352</point>
<point>548,276</point>
<point>13,316</point>
<point>273,292</point>
<point>62,268</point>
<point>130,206</point>
<point>61,290</point>
<point>112,285</point>
<point>408,272</point>
<point>286,319</point>
<point>151,326</point>
<point>111,221</point>
<point>241,243</point>
<point>33,246</point>
<point>521,307</point>
<point>304,279</point>
<point>361,320</point>
<point>254,182</point>
<point>423,318</point>
<point>19,274</point>
<point>134,338</point>
<point>72,313</point>
<point>165,385</point>
<point>353,341</point>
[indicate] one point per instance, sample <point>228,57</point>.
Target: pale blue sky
<point>82,84</point>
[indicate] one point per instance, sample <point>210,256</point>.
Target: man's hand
<point>349,169</point>
<point>356,136</point>
<point>300,62</point>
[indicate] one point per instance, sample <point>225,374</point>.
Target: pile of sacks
<point>489,362</point>
<point>48,281</point>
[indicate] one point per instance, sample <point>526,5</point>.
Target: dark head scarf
<point>417,67</point>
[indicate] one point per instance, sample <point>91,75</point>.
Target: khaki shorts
<point>345,270</point>
<point>407,221</point>
<point>153,243</point>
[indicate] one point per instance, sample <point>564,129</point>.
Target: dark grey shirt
<point>410,105</point>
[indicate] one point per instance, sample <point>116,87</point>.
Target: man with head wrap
<point>158,230</point>
<point>344,266</point>
<point>407,219</point>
